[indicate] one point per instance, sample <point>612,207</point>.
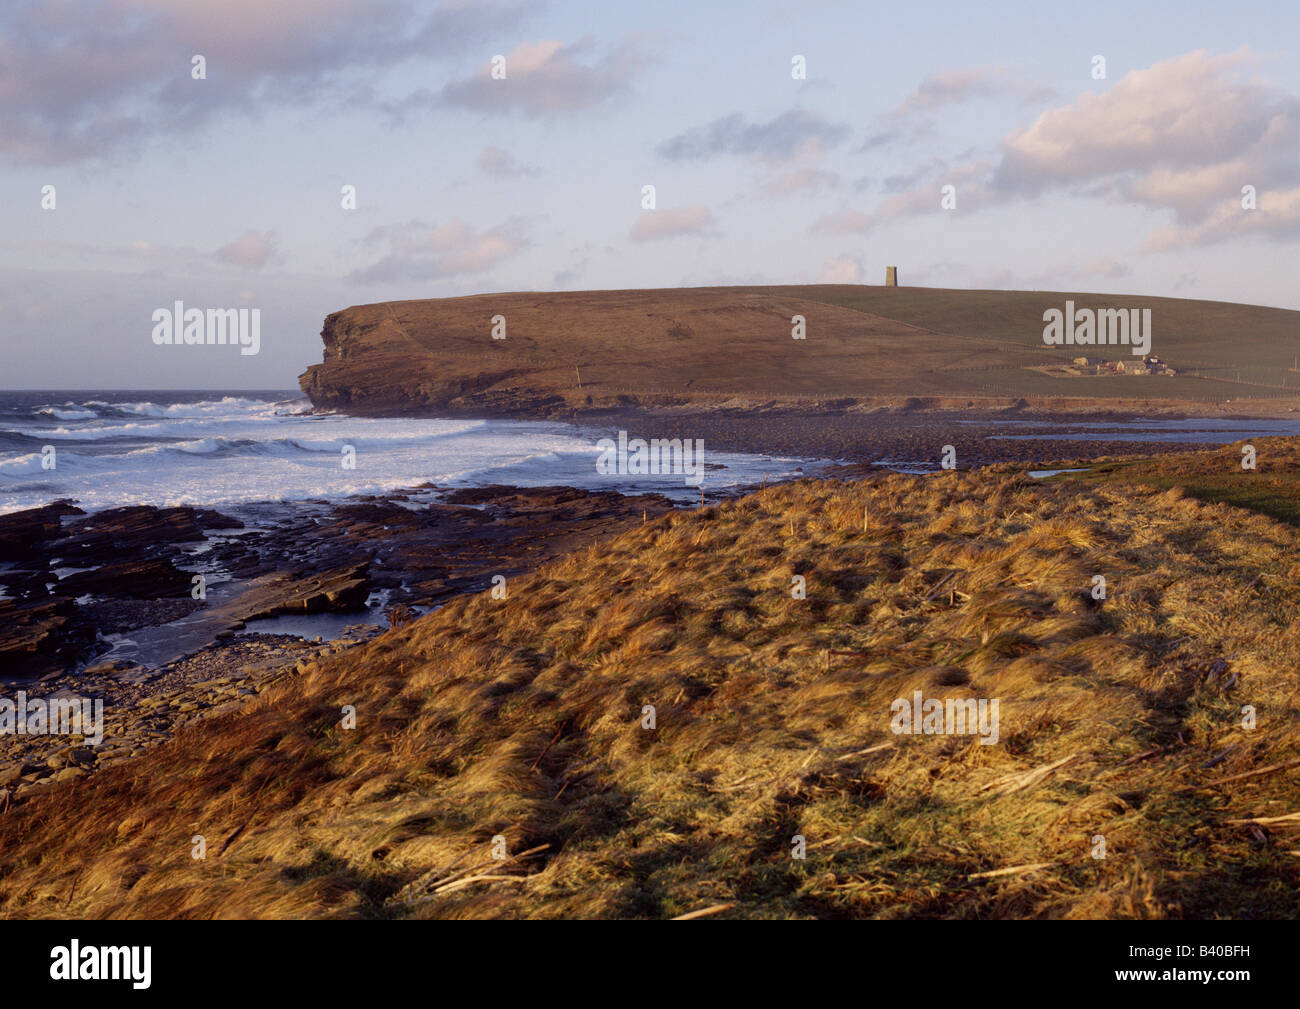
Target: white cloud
<point>1183,136</point>
<point>545,79</point>
<point>251,250</point>
<point>843,222</point>
<point>955,87</point>
<point>791,135</point>
<point>87,79</point>
<point>696,220</point>
<point>500,164</point>
<point>840,270</point>
<point>419,251</point>
<point>789,183</point>
<point>915,116</point>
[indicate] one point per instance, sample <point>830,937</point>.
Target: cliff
<point>576,351</point>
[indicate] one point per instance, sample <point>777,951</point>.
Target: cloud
<point>87,79</point>
<point>1000,278</point>
<point>843,222</point>
<point>938,91</point>
<point>250,250</point>
<point>1182,136</point>
<point>790,135</point>
<point>1277,217</point>
<point>904,181</point>
<point>1063,277</point>
<point>841,270</point>
<point>881,138</point>
<point>915,116</point>
<point>1103,267</point>
<point>720,278</point>
<point>567,278</point>
<point>501,164</point>
<point>419,251</point>
<point>133,257</point>
<point>799,180</point>
<point>794,141</point>
<point>696,219</point>
<point>970,182</point>
<point>544,79</point>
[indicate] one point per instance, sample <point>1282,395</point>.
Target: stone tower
<point>891,276</point>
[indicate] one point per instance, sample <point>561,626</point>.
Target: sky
<point>199,150</point>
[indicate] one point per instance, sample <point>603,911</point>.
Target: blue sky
<point>225,192</point>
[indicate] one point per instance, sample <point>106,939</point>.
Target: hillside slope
<point>588,350</point>
<point>523,718</point>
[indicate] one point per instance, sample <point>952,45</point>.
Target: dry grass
<point>1271,487</point>
<point>523,717</point>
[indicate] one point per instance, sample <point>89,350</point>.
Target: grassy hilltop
<point>591,349</point>
<point>522,717</point>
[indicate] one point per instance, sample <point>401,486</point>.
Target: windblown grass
<point>1272,487</point>
<point>523,717</point>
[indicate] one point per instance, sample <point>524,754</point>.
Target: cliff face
<point>540,354</point>
<point>583,350</point>
<point>371,365</point>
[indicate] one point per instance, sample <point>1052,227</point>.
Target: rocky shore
<point>146,706</point>
<point>78,590</point>
<point>906,437</point>
<point>69,578</point>
<point>72,583</point>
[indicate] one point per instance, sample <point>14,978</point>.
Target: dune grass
<point>522,719</point>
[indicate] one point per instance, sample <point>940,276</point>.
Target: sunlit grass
<point>523,718</point>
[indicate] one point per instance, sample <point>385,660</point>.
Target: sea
<point>105,449</point>
<point>261,455</point>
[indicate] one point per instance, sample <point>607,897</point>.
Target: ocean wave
<point>250,446</point>
<point>256,424</point>
<point>229,407</point>
<point>30,464</point>
<point>16,441</point>
<point>68,412</point>
<point>226,407</point>
<point>237,450</point>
